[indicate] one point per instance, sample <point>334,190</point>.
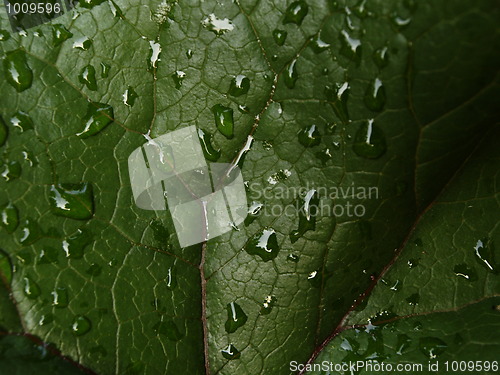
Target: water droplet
<point>189,54</point>
<point>309,136</point>
<point>307,215</point>
<point>168,329</point>
<point>324,155</point>
<point>154,55</point>
<point>129,96</point>
<point>463,270</point>
<point>10,170</point>
<point>178,76</point>
<point>369,141</point>
<point>432,346</point>
<point>319,45</point>
<point>350,47</point>
<point>400,22</point>
<point>375,96</point>
<point>236,317</point>
<point>171,279</point>
<point>396,286</point>
<point>87,77</point>
<point>98,116</point>
<point>293,258</point>
<point>382,317</point>
<point>216,25</point>
<point>82,43</point>
<point>381,57</point>
<point>47,255</point>
<point>253,212</point>
<point>46,319</point>
<point>30,158</point>
<point>403,343</point>
<point>81,325</point>
<point>485,255</point>
<point>9,217</point>
<point>264,244</point>
<point>231,352</point>
<point>279,36</point>
<point>224,120</point>
<point>296,12</point>
<point>281,175</point>
<point>4,132</point>
<point>315,278</point>
<point>239,85</point>
<point>290,74</point>
<point>60,297</point>
<point>337,96</point>
<point>240,157</point>
<point>413,299</point>
<point>60,34</point>
<point>4,35</point>
<point>209,151</point>
<point>105,70</point>
<point>75,201</point>
<point>360,10</point>
<point>413,262</point>
<point>74,245</point>
<point>94,270</point>
<point>31,288</point>
<point>22,121</point>
<point>30,232</point>
<point>116,11</point>
<point>268,305</point>
<point>17,71</point>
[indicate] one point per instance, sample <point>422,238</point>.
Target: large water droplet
<point>224,120</point>
<point>98,116</point>
<point>31,288</point>
<point>400,22</point>
<point>168,329</point>
<point>60,34</point>
<point>463,270</point>
<point>231,352</point>
<point>209,150</point>
<point>369,141</point>
<point>268,305</point>
<point>337,96</point>
<point>75,201</point>
<point>239,85</point>
<point>296,12</point>
<point>17,71</point>
<point>432,346</point>
<point>81,325</point>
<point>307,215</point>
<point>309,136</point>
<point>154,55</point>
<point>216,25</point>
<point>375,95</point>
<point>30,232</point>
<point>47,255</point>
<point>87,77</point>
<point>22,121</point>
<point>290,74</point>
<point>10,170</point>
<point>4,132</point>
<point>485,255</point>
<point>279,36</point>
<point>264,244</point>
<point>75,244</point>
<point>350,46</point>
<point>60,297</point>
<point>318,45</point>
<point>129,96</point>
<point>9,217</point>
<point>381,57</point>
<point>324,155</point>
<point>178,76</point>
<point>236,317</point>
<point>82,43</point>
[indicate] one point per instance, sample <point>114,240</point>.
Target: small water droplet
<point>189,54</point>
<point>307,215</point>
<point>46,319</point>
<point>324,155</point>
<point>168,329</point>
<point>178,76</point>
<point>369,141</point>
<point>30,158</point>
<point>293,258</point>
<point>236,317</point>
<point>296,12</point>
<point>350,46</point>
<point>60,297</point>
<point>239,85</point>
<point>4,132</point>
<point>243,108</point>
<point>81,325</point>
<point>83,43</point>
<point>315,278</point>
<point>413,262</point>
<point>17,71</point>
<point>381,57</point>
<point>279,36</point>
<point>253,212</point>
<point>87,77</point>
<point>360,9</point>
<point>171,278</point>
<point>94,270</point>
<point>22,121</point>
<point>281,175</point>
<point>432,346</point>
<point>290,74</point>
<point>382,318</point>
<point>375,95</point>
<point>264,244</point>
<point>75,244</point>
<point>337,96</point>
<point>9,217</point>
<point>485,255</point>
<point>413,299</point>
<point>463,270</point>
<point>224,120</point>
<point>309,136</point>
<point>30,232</point>
<point>400,22</point>
<point>209,150</point>
<point>10,170</point>
<point>98,116</point>
<point>60,34</point>
<point>4,35</point>
<point>268,305</point>
<point>47,255</point>
<point>75,201</point>
<point>129,96</point>
<point>319,45</point>
<point>231,352</point>
<point>403,343</point>
<point>396,286</point>
<point>105,70</point>
<point>31,288</point>
<point>216,25</point>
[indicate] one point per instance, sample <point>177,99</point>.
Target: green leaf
<point>366,109</point>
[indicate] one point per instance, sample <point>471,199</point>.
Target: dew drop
<point>402,344</point>
<point>318,45</point>
<point>268,305</point>
<point>4,132</point>
<point>171,278</point>
<point>466,272</point>
<point>10,170</point>
<point>369,141</point>
<point>4,35</point>
<point>324,155</point>
<point>6,267</point>
<point>17,71</point>
<point>315,278</point>
<point>30,232</point>
<point>281,175</point>
<point>264,244</point>
<point>81,325</point>
<point>168,329</point>
<point>60,297</point>
<point>350,47</point>
<point>224,120</point>
<point>60,34</point>
<point>31,288</point>
<point>307,215</point>
<point>46,319</point>
<point>82,43</point>
<point>296,12</point>
<point>129,96</point>
<point>485,255</point>
<point>293,258</point>
<point>115,10</point>
<point>209,150</point>
<point>22,121</point>
<point>253,212</point>
<point>243,108</point>
<point>75,244</point>
<point>309,136</point>
<point>9,216</point>
<point>87,77</point>
<point>375,95</point>
<point>279,36</point>
<point>400,22</point>
<point>337,96</point>
<point>189,54</point>
<point>290,74</point>
<point>154,55</point>
<point>413,299</point>
<point>231,352</point>
<point>432,346</point>
<point>30,158</point>
<point>236,317</point>
<point>105,70</point>
<point>47,255</point>
<point>239,85</point>
<point>178,76</point>
<point>381,57</point>
<point>74,201</point>
<point>98,116</point>
<point>216,25</point>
